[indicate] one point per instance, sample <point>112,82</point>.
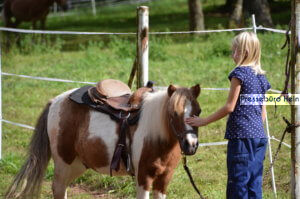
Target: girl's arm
<point>233,96</point>
<point>263,113</point>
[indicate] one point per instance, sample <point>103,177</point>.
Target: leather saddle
<point>115,98</point>
<point>114,93</point>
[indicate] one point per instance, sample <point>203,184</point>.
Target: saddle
<point>116,99</point>
<point>114,93</point>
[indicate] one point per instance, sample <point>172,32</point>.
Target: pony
<point>28,10</point>
<point>79,138</point>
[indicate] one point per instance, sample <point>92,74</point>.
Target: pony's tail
<point>27,183</point>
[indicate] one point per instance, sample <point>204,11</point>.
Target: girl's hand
<point>196,121</point>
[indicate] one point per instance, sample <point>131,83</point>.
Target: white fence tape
<point>61,32</point>
<point>131,33</point>
<point>47,78</point>
<point>213,143</point>
<point>273,138</point>
<point>272,30</point>
<point>18,124</point>
<point>199,31</point>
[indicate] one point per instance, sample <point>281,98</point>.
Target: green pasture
<point>174,59</point>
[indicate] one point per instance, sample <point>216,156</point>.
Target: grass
<point>174,59</point>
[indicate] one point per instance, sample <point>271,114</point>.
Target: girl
<point>244,131</point>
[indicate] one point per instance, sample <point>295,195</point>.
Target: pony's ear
<point>171,90</point>
<point>196,90</point>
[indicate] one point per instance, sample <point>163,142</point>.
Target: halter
<point>180,136</point>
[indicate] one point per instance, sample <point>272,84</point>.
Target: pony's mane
<point>154,120</point>
<point>151,120</point>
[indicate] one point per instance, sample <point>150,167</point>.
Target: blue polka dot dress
<point>246,121</point>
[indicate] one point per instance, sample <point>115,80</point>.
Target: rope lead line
<point>190,176</point>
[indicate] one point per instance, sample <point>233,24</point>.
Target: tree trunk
<point>229,5</point>
<point>261,9</point>
<point>236,17</point>
<point>196,15</point>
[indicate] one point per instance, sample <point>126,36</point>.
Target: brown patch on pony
<point>93,152</point>
<point>74,118</point>
<point>158,160</point>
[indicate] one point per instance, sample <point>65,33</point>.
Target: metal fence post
<point>142,46</point>
<point>254,23</point>
<point>270,156</point>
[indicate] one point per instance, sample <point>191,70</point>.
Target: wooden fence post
<point>142,46</point>
<point>295,111</point>
<point>94,7</point>
<point>1,98</point>
<point>254,23</point>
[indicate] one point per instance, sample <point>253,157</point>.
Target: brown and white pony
<point>28,10</point>
<point>78,138</point>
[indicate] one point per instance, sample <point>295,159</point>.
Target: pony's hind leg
<point>64,174</point>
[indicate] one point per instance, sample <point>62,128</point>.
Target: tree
<point>236,17</point>
<point>243,9</point>
<point>196,15</point>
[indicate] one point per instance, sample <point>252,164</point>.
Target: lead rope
<point>288,65</point>
<point>190,176</point>
<point>288,129</point>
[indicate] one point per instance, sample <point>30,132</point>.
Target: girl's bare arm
<point>263,113</point>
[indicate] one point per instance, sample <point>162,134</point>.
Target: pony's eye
<point>198,112</point>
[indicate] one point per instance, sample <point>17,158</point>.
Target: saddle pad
<point>81,96</point>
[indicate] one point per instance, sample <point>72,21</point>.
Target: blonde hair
<point>248,47</point>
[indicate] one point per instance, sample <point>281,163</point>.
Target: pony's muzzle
<point>190,144</point>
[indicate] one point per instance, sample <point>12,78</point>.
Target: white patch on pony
<point>64,174</point>
<point>192,139</point>
<point>187,114</point>
<point>142,193</point>
<point>103,127</point>
<point>150,124</point>
<point>159,195</point>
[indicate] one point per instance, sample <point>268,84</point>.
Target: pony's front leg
<point>143,187</point>
<point>161,183</point>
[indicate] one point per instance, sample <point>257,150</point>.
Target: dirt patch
<point>81,190</point>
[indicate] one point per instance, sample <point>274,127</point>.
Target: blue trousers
<point>245,168</point>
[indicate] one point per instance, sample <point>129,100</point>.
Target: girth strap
<point>121,149</point>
